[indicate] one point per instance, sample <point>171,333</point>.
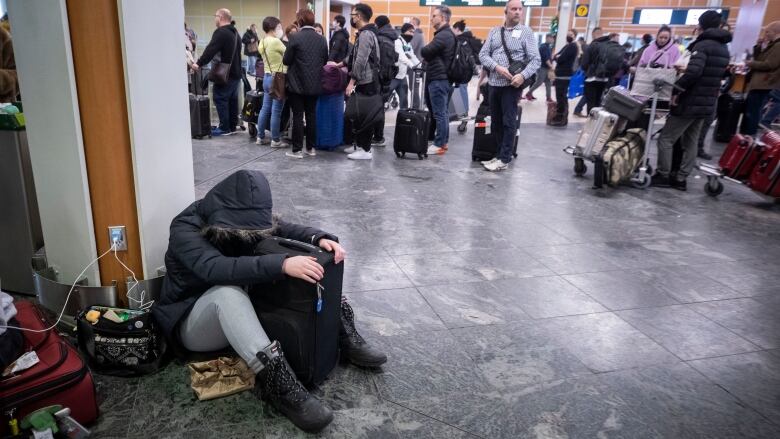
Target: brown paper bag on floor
<point>220,377</point>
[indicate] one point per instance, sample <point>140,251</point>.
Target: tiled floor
<point>520,304</point>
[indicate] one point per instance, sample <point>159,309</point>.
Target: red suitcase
<point>740,156</point>
<point>766,174</point>
<point>61,376</point>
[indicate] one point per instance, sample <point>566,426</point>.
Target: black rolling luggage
<point>485,145</point>
<point>730,108</point>
<point>411,124</point>
<point>253,102</point>
<point>200,110</point>
<point>305,318</point>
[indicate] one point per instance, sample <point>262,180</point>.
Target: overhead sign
<point>671,16</point>
<point>582,10</point>
<point>501,3</point>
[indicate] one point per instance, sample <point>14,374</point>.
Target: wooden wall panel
<point>97,61</point>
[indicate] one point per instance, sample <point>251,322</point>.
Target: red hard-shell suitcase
<point>61,376</point>
<point>766,174</point>
<point>740,156</point>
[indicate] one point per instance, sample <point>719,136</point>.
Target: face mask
<point>279,33</point>
<point>406,38</point>
<point>569,39</point>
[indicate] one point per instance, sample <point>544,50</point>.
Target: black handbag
<point>133,347</point>
<point>220,71</point>
<point>518,66</point>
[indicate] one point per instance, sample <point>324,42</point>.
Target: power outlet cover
<point>117,234</point>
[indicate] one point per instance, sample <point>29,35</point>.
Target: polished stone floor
<point>513,305</point>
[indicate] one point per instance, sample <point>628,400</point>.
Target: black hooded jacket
<point>590,56</point>
<point>339,46</point>
<point>701,79</point>
<point>194,262</point>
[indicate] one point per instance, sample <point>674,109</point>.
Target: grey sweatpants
<point>223,316</point>
<point>675,128</point>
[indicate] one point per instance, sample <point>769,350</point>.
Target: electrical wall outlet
<point>118,236</point>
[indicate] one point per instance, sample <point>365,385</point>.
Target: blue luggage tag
<point>319,297</point>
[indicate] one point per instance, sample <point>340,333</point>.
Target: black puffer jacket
<point>339,46</point>
<point>194,262</point>
<point>305,56</point>
<point>221,41</point>
<point>438,54</point>
<point>590,56</point>
<point>701,80</point>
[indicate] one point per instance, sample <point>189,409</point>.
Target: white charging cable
<point>72,287</point>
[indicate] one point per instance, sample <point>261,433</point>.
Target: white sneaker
<point>294,155</point>
<point>279,144</point>
<point>263,141</point>
<point>496,166</point>
<point>361,154</point>
<point>487,162</point>
<point>378,142</point>
<point>435,150</point>
<point>350,149</point>
<point>311,152</point>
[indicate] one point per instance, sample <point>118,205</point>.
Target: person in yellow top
<point>272,50</point>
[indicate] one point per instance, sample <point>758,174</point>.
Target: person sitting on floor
<point>204,307</point>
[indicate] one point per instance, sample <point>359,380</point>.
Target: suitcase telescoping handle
<point>298,246</point>
<point>418,90</point>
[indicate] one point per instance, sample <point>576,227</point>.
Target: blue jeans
<point>773,111</point>
<point>250,64</point>
<point>401,87</point>
<point>272,108</point>
<point>503,115</point>
<point>464,94</point>
<point>226,101</point>
<point>438,98</point>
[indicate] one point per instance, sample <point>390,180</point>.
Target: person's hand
<point>332,63</point>
<point>503,71</point>
<point>632,70</point>
<point>350,88</point>
<point>333,246</point>
<point>517,80</point>
<point>303,267</point>
<point>673,101</point>
<point>195,67</point>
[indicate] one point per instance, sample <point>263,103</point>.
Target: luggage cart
<point>643,174</point>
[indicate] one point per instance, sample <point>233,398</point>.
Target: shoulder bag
<point>277,90</point>
<point>220,72</point>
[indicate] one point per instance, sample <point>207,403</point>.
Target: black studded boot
<point>353,347</point>
<point>277,384</point>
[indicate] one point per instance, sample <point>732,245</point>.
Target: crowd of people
<point>381,59</point>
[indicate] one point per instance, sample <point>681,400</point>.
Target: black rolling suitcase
<point>485,146</point>
<point>412,124</point>
<point>305,318</point>
<point>200,110</point>
<point>730,108</point>
<point>253,102</point>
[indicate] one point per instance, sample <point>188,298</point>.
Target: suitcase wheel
<point>252,130</point>
<point>422,156</point>
<point>713,187</point>
<point>462,127</point>
<point>398,154</point>
<point>580,168</point>
<point>644,184</point>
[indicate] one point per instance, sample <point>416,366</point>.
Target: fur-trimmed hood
<point>238,242</point>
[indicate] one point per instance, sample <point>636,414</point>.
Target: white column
<point>594,15</point>
<point>565,7</point>
<point>158,112</point>
<point>54,135</point>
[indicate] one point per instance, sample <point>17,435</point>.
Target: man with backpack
<point>602,60</point>
<point>386,36</point>
<point>465,61</point>
<point>438,56</point>
<point>363,64</point>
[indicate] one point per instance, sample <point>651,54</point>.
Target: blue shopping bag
<point>577,84</point>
